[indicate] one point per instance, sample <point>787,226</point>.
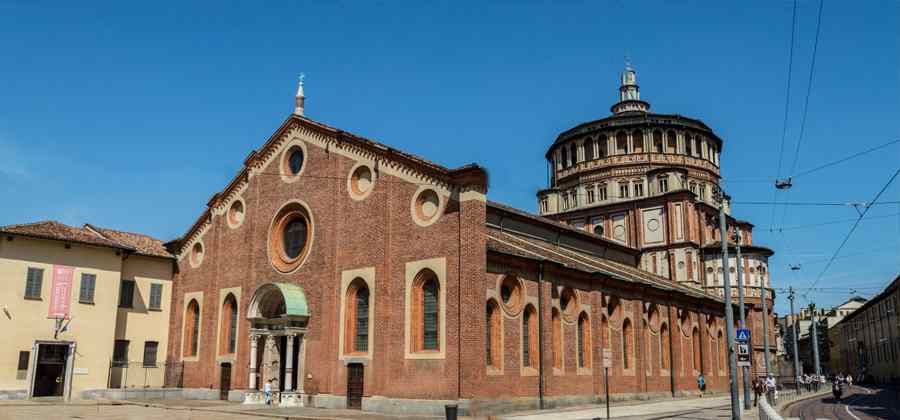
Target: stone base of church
<point>259,397</point>
<point>295,399</point>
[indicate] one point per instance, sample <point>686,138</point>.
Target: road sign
<point>607,358</point>
<point>742,334</point>
<point>743,354</point>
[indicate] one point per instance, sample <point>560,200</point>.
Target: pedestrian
<point>267,390</point>
<point>757,390</point>
<point>770,388</point>
<point>849,381</point>
<point>701,383</point>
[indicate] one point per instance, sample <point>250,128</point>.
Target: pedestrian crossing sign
<point>743,334</point>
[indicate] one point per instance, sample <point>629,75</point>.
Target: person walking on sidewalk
<point>757,389</point>
<point>267,390</point>
<point>771,387</point>
<point>701,383</point>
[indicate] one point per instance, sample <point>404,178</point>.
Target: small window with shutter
<point>86,293</point>
<point>150,348</point>
<point>156,296</point>
<point>120,353</point>
<point>126,294</point>
<point>33,282</point>
<point>22,369</point>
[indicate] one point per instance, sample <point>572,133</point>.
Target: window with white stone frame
<point>623,190</point>
<point>601,191</point>
<point>590,195</point>
<point>663,184</point>
<point>638,189</point>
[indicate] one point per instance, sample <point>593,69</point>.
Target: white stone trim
<point>439,267</point>
<point>360,197</point>
<point>367,274</point>
<point>442,204</point>
<point>184,305</point>
<point>223,293</point>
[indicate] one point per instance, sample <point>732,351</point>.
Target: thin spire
<point>300,98</point>
<point>629,92</point>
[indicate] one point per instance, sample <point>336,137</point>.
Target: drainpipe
<point>541,334</point>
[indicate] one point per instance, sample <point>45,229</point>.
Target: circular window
<point>720,270</point>
<point>196,257</point>
<point>709,270</point>
<point>568,303</point>
<point>752,270</point>
<point>511,294</point>
<point>731,270</point>
<point>680,264</point>
<point>235,214</point>
<point>598,230</point>
<point>293,161</point>
<point>361,182</point>
<point>290,237</point>
<point>426,207</point>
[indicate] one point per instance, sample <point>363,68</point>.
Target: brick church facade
<point>345,273</point>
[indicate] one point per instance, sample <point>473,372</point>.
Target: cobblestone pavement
<point>176,410</point>
<point>859,403</point>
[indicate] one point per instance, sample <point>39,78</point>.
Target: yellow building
<point>84,309</point>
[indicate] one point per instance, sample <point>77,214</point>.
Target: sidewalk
<point>657,409</point>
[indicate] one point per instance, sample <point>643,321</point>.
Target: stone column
<point>289,364</point>
<point>301,363</point>
<point>254,343</point>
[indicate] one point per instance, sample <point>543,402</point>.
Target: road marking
<point>847,407</point>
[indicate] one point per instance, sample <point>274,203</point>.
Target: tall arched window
<point>637,139</point>
<point>564,156</point>
<point>672,146</point>
<point>529,337</point>
<point>228,332</point>
<point>493,347</point>
<point>664,347</point>
<point>588,149</point>
<point>573,152</point>
<point>584,341</point>
<point>426,312</point>
<point>657,141</point>
<point>621,143</point>
<point>627,343</point>
<point>695,340</point>
<point>356,317</point>
<point>602,145</point>
<point>192,323</point>
<point>556,324</point>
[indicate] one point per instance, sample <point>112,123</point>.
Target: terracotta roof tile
<point>90,235</point>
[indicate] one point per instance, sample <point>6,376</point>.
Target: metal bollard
<point>450,411</point>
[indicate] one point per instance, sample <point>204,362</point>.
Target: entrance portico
<point>278,316</point>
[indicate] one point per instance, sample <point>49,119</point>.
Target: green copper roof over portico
<point>294,299</point>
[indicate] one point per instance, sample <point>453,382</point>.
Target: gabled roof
<point>464,175</point>
<point>134,243</point>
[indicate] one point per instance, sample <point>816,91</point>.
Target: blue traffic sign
<point>742,334</point>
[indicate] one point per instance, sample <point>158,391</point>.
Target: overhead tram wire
<point>787,102</point>
<point>853,229</point>
<point>817,204</point>
<point>834,222</point>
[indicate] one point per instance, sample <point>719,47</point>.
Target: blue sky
<point>132,117</point>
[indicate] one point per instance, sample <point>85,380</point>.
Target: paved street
<point>688,408</point>
<point>859,404</point>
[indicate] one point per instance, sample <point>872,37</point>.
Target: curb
<point>801,399</point>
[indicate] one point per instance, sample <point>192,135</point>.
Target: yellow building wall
<point>93,327</point>
<point>140,324</point>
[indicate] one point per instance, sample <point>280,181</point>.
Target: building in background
<point>869,337</point>
<point>84,309</point>
<point>648,181</point>
<point>830,352</point>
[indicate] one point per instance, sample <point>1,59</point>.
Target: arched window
<point>664,346</point>
<point>695,341</point>
<point>657,141</point>
<point>602,145</point>
<point>637,138</point>
<point>584,341</point>
<point>564,156</point>
<point>621,143</point>
<point>672,146</point>
<point>192,323</point>
<point>426,311</point>
<point>356,317</point>
<point>627,344</point>
<point>588,149</point>
<point>529,337</point>
<point>228,331</point>
<point>689,143</point>
<point>556,323</point>
<point>573,152</point>
<point>493,347</point>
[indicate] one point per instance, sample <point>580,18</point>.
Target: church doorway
<point>51,370</point>
<point>354,386</point>
<point>224,381</point>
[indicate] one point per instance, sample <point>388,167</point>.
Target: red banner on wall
<point>61,291</point>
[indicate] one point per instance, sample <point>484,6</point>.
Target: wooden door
<point>225,381</point>
<point>354,386</point>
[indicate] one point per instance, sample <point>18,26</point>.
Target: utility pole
<point>794,326</point>
<point>815,340</point>
<point>729,312</point>
<point>764,293</point>
<point>745,370</point>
